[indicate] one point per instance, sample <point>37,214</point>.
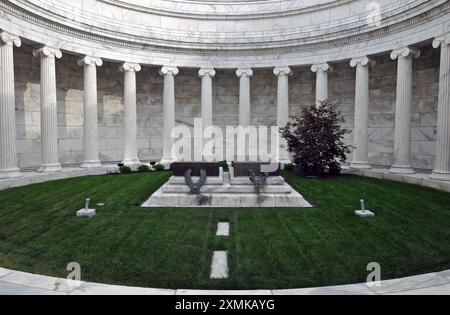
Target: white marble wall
<point>225,105</point>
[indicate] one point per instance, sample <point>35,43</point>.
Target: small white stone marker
<point>363,213</point>
<point>86,212</point>
<point>223,229</point>
<point>219,266</point>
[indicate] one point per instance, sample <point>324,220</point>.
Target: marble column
<point>130,156</point>
<point>321,71</point>
<point>8,152</point>
<point>207,75</point>
<point>90,143</point>
<point>442,167</point>
<point>169,74</point>
<point>361,130</point>
<point>402,143</point>
<point>283,108</point>
<point>244,96</point>
<point>49,121</point>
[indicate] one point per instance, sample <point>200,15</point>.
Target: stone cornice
<point>293,47</point>
<point>214,14</point>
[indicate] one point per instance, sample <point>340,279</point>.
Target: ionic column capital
<point>441,40</point>
<point>405,53</point>
<point>47,51</point>
<point>130,67</point>
<point>324,67</point>
<point>282,71</point>
<point>207,72</point>
<point>248,72</point>
<point>89,60</point>
<point>362,61</point>
<point>167,70</point>
<point>10,39</point>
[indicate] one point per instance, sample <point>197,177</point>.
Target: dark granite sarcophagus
<point>180,168</point>
<point>241,169</point>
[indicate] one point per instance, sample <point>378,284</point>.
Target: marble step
<point>226,201</point>
<point>229,189</point>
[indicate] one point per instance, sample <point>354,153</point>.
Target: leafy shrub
<point>316,139</point>
<point>159,168</point>
<point>143,168</point>
<point>152,163</point>
<point>224,165</point>
<point>125,169</point>
<point>289,167</point>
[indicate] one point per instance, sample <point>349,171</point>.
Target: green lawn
<point>269,248</point>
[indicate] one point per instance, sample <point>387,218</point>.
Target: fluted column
<point>90,143</point>
<point>283,107</point>
<point>129,121</point>
<point>361,130</point>
<point>321,71</point>
<point>49,131</point>
<point>169,74</point>
<point>402,144</point>
<point>8,152</point>
<point>442,167</point>
<point>207,75</point>
<point>244,96</point>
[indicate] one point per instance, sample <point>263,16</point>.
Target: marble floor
<point>21,283</point>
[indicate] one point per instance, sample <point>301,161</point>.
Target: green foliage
<point>143,168</point>
<point>125,169</point>
<point>159,168</point>
<point>316,139</point>
<point>224,165</point>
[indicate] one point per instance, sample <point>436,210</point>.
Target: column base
<point>10,173</point>
<point>91,164</point>
<point>397,169</point>
<point>360,166</point>
<point>131,162</point>
<point>440,176</point>
<point>50,168</point>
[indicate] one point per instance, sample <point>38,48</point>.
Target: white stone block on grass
<point>364,213</point>
<point>219,266</point>
<point>223,229</point>
<point>89,213</point>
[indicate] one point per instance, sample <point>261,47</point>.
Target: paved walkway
<point>21,283</point>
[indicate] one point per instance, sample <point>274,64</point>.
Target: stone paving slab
<point>352,289</point>
<point>224,292</point>
<point>410,283</point>
<point>103,289</point>
<point>22,283</point>
<point>7,288</point>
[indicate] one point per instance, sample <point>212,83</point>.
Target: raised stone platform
<point>237,194</point>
